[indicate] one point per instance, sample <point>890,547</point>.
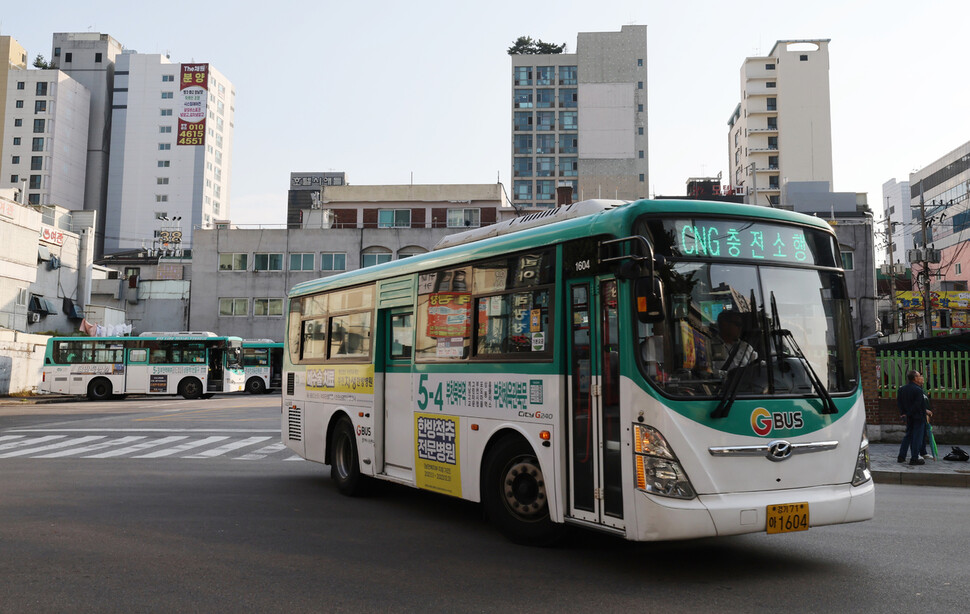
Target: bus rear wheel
<point>514,494</point>
<point>344,460</point>
<point>190,388</point>
<point>255,385</point>
<point>99,389</point>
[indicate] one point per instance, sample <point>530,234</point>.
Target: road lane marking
<point>53,446</point>
<point>263,452</point>
<point>183,447</point>
<point>138,447</point>
<point>229,447</point>
<point>101,445</point>
<point>29,442</point>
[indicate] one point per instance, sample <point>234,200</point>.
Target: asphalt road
<point>235,524</point>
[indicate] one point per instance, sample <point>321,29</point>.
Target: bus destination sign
<point>749,240</point>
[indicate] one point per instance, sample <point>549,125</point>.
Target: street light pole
<point>892,270</point>
<point>927,316</point>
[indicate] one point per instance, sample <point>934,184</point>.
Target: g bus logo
<point>763,421</point>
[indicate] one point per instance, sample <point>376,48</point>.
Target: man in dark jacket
<point>912,406</point>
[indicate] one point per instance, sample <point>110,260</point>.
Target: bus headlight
<point>657,470</point>
<point>863,470</point>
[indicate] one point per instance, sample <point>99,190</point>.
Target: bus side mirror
<point>649,295</point>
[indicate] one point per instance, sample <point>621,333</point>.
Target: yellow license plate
<point>786,517</point>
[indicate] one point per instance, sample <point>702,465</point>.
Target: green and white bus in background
<point>192,364</point>
<point>263,363</point>
<point>656,370</point>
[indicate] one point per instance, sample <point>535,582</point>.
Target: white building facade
<point>579,120</point>
<point>171,149</point>
<point>781,130</point>
<point>899,213</point>
<point>45,137</point>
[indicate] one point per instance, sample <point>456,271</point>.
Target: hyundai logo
<point>779,450</point>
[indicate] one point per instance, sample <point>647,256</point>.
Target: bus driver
<point>739,351</point>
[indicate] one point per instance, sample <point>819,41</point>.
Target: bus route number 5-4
<point>425,396</point>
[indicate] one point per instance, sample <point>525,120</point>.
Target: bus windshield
<point>749,330</point>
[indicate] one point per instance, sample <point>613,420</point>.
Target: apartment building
<point>579,121</point>
<point>781,131</point>
<point>171,149</point>
<point>898,211</point>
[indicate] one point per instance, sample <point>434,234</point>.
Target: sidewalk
<point>885,469</point>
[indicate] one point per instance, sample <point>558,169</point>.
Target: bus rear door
<point>136,371</point>
<point>595,467</point>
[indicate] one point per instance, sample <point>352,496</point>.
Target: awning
<point>72,310</point>
<point>43,253</point>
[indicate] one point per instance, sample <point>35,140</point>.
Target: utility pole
<point>892,270</point>
<point>927,315</point>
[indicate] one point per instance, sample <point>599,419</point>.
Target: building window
<point>773,182</point>
<point>545,120</point>
<point>164,129</point>
<point>371,258</point>
<point>267,307</point>
<point>39,126</point>
<point>393,218</point>
<point>161,198</point>
<point>36,163</point>
<point>545,143</point>
<point>772,123</point>
<point>16,140</point>
<point>522,167</point>
<point>568,120</point>
<point>772,142</point>
<point>639,85</point>
<point>770,84</point>
<point>36,144</point>
<point>523,75</point>
<point>168,78</point>
<point>568,167</point>
<point>333,261</point>
<point>642,178</point>
<point>164,163</point>
<point>18,122</point>
<point>640,154</point>
<point>40,106</point>
<point>68,57</point>
<point>545,189</point>
<point>640,131</point>
<point>21,85</point>
<point>19,104</point>
<point>34,182</point>
<point>772,104</point>
<point>97,57</point>
<point>803,58</point>
<point>568,98</point>
<point>639,61</point>
<point>301,262</point>
<point>640,108</point>
<point>522,144</point>
<point>161,180</point>
<point>464,218</point>
<point>164,146</point>
<point>233,262</point>
<point>848,262</point>
<point>769,66</point>
<point>772,162</point>
<point>545,75</point>
<point>168,95</point>
<point>523,99</point>
<point>522,120</point>
<point>233,307</point>
<point>545,167</point>
<point>14,178</point>
<point>959,269</point>
<point>15,159</point>
<point>568,144</point>
<point>567,75</point>
<point>773,199</point>
<point>166,112</point>
<point>41,89</point>
<point>267,262</point>
<point>522,190</point>
<point>545,98</point>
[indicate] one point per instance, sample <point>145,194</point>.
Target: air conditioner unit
<point>34,317</point>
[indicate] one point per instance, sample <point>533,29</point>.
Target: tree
<point>40,62</point>
<point>524,45</point>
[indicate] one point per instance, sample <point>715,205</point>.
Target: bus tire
<point>514,494</point>
<point>99,389</point>
<point>344,460</point>
<point>190,388</point>
<point>255,385</point>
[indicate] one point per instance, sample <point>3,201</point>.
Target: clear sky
<point>385,89</point>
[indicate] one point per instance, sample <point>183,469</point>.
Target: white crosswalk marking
<point>101,445</point>
<point>28,442</point>
<point>6,437</point>
<point>229,447</point>
<point>138,447</point>
<point>53,446</point>
<point>263,452</point>
<point>182,447</point>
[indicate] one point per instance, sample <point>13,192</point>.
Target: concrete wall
<point>21,361</point>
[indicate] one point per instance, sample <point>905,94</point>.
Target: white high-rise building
<point>171,151</point>
<point>45,136</point>
<point>781,131</point>
<point>89,58</point>
<point>579,120</point>
<point>898,211</point>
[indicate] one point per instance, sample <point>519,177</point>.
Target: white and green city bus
<point>263,363</point>
<point>569,367</point>
<point>192,364</point>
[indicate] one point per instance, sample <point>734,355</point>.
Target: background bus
<point>191,364</point>
<point>263,362</point>
<point>574,366</point>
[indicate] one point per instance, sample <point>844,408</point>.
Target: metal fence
<point>946,374</point>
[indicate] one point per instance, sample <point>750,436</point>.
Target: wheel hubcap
<point>524,489</point>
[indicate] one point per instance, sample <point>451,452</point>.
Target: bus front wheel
<point>344,460</point>
<point>515,496</point>
<point>190,388</point>
<point>255,385</point>
<point>99,389</point>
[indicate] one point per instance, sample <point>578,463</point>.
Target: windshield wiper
<point>783,335</point>
<point>730,389</point>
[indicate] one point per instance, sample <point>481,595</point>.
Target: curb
<point>41,400</point>
<point>953,480</point>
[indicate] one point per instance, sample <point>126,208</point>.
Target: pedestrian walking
<point>913,406</point>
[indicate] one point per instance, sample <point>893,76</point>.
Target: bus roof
<point>604,220</point>
<point>152,337</point>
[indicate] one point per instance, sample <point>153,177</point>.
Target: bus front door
<point>595,465</point>
<point>136,371</point>
<point>396,354</point>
